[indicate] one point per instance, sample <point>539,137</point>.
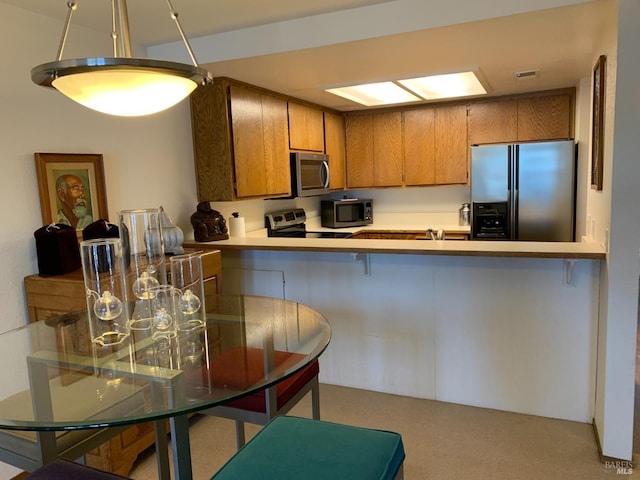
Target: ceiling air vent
<point>526,74</point>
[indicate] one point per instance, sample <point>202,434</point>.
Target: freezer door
<point>490,173</point>
<point>545,191</point>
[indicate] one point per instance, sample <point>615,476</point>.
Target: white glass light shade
<point>121,86</point>
<point>123,92</point>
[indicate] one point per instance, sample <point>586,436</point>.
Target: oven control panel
<point>284,219</point>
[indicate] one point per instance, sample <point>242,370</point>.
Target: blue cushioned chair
<point>300,448</point>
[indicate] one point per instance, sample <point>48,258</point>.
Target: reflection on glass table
<point>61,388</point>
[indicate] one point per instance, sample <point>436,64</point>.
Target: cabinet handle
<point>325,169</point>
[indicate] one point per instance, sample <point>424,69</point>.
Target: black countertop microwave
<point>309,174</point>
<point>349,212</point>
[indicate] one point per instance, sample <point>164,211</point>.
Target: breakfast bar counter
<point>509,325</point>
<point>395,226</point>
<point>568,250</point>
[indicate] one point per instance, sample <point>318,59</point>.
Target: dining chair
<point>242,366</point>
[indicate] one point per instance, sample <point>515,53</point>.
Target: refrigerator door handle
<point>513,220</point>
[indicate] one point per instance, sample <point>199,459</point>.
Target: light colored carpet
<point>443,441</point>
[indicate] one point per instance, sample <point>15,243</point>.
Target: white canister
<point>236,225</point>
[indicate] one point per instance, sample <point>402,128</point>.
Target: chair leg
<point>315,401</point>
<point>239,434</point>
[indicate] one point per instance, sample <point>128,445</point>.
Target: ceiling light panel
<point>462,84</point>
<point>373,94</point>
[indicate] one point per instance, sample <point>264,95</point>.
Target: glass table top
<point>55,378</point>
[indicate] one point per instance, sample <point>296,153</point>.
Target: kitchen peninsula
<point>566,250</point>
<point>504,325</point>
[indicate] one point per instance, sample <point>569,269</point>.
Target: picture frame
<point>597,124</point>
<point>72,188</point>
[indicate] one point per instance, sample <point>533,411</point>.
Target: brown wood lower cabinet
<point>55,295</point>
<point>404,235</point>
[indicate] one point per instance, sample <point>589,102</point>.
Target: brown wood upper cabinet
<point>334,140</point>
<point>540,117</point>
<point>306,128</point>
<point>374,150</point>
<point>435,145</point>
<point>241,142</point>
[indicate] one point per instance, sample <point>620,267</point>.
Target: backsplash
<point>392,200</point>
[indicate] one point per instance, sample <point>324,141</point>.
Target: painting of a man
<point>74,208</point>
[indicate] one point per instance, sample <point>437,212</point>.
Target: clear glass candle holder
<point>144,264</point>
<point>187,277</point>
<point>164,301</point>
<point>102,268</point>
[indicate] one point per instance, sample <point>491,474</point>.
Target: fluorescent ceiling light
<point>462,84</point>
<point>372,94</point>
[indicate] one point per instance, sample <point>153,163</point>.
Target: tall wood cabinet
<point>374,150</point>
<point>435,145</point>
<point>240,141</point>
<point>451,145</point>
<point>55,295</point>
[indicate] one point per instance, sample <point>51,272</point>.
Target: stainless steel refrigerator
<point>524,191</point>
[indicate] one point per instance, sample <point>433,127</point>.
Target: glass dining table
<point>56,381</point>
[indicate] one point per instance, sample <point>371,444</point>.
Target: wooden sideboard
<point>49,296</point>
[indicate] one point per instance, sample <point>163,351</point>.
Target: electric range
<point>291,223</point>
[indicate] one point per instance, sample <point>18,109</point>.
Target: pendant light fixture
<point>121,85</point>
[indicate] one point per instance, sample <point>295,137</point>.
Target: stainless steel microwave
<point>349,212</point>
<point>309,174</point>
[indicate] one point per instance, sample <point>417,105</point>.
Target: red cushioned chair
<point>242,366</point>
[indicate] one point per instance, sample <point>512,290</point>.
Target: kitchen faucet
<point>439,235</point>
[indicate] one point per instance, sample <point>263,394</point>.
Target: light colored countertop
<point>258,240</point>
<point>414,247</point>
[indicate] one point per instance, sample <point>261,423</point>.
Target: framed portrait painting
<point>597,124</point>
<point>72,188</point>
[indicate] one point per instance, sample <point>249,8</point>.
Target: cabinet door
<point>359,142</point>
<point>212,271</point>
<point>334,138</point>
<point>306,129</point>
<point>374,150</point>
<point>451,144</point>
<point>419,147</point>
<point>276,146</point>
<point>387,149</point>
<point>544,118</point>
<point>260,143</point>
<point>248,141</point>
<point>493,122</point>
<point>212,145</point>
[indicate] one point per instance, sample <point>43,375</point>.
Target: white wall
<point>619,301</point>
